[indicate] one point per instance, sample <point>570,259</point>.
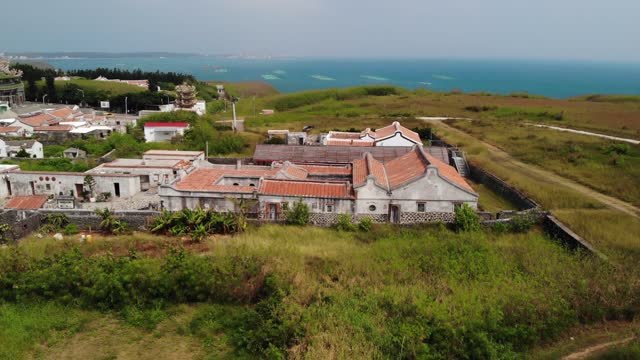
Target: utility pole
<point>254,106</point>
<point>233,104</point>
<point>45,95</point>
<point>126,110</point>
<point>82,91</point>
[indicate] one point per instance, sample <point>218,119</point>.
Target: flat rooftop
<point>146,163</point>
<point>173,153</point>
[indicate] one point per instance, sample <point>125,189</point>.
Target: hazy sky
<point>554,29</point>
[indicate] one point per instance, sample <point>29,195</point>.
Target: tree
<point>32,90</point>
<point>71,94</point>
<point>51,88</point>
<point>90,182</point>
<point>466,219</point>
<point>22,153</point>
<point>298,214</point>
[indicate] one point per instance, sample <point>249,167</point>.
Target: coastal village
<point>385,174</point>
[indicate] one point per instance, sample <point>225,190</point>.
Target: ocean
<point>558,79</point>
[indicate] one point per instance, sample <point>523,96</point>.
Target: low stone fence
<point>559,231</point>
<point>88,219</point>
<point>502,188</point>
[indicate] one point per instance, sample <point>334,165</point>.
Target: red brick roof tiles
<point>27,202</point>
<point>390,130</point>
<point>349,142</point>
<point>206,179</point>
<point>53,128</point>
<point>340,190</point>
<point>38,120</point>
<point>7,129</point>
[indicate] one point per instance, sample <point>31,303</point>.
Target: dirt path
<point>582,132</point>
<point>591,350</point>
<point>511,163</point>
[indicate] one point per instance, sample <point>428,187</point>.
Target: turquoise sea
<point>558,79</point>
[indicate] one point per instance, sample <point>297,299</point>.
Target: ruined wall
<point>501,188</point>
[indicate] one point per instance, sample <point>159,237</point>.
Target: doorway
<point>394,214</point>
<point>273,212</point>
<point>9,187</point>
<point>79,191</point>
<point>33,187</point>
<point>116,189</point>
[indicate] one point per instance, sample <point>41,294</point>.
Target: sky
<point>510,29</point>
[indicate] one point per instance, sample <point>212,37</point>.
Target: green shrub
<point>71,229</point>
<point>521,224</point>
<point>55,222</point>
<point>298,214</point>
<point>620,149</point>
<point>466,219</point>
<point>344,223</point>
<point>365,224</point>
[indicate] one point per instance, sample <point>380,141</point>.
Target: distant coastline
<point>556,79</point>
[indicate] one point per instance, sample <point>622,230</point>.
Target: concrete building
<point>10,148</point>
<point>173,155</point>
<point>163,131</point>
<point>392,135</point>
<point>74,153</point>
<point>411,188</point>
<point>5,188</point>
<point>151,172</point>
<point>288,137</point>
<point>52,183</point>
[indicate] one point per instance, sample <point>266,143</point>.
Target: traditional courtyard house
<point>151,172</point>
<point>163,131</point>
<point>392,135</point>
<point>410,188</point>
<point>173,155</point>
<point>30,122</point>
<point>11,148</point>
<point>11,131</point>
<point>52,183</point>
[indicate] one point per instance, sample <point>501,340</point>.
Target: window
<point>254,185</point>
<point>457,205</point>
<point>236,184</point>
<point>421,207</point>
<point>48,186</point>
<point>285,205</point>
<point>372,208</point>
<point>329,208</point>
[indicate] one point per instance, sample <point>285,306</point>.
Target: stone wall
<point>559,231</point>
<point>426,217</point>
<point>502,188</point>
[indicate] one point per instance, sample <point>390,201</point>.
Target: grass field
<point>109,88</point>
<point>394,292</point>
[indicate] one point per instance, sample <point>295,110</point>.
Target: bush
<point>521,224</point>
<point>344,223</point>
<point>198,223</point>
<point>365,224</point>
<point>298,214</point>
<point>71,229</point>
<point>466,219</point>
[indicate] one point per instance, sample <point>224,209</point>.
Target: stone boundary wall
<point>88,219</point>
<point>502,188</point>
<point>559,231</point>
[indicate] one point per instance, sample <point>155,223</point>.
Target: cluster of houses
<point>62,123</point>
<point>393,178</point>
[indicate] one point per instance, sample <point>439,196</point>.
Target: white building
<point>10,148</point>
<point>411,188</point>
<point>392,135</point>
<point>152,172</point>
<point>163,131</point>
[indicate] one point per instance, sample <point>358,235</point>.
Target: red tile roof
<point>206,179</point>
<point>7,129</point>
<point>288,170</point>
<point>449,172</point>
<point>392,129</point>
<point>406,168</point>
<point>61,113</point>
<point>349,142</point>
<point>166,124</point>
<point>336,190</point>
<point>53,128</point>
<point>27,202</point>
<point>38,120</point>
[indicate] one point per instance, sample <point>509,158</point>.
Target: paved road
<point>632,141</point>
<point>540,174</point>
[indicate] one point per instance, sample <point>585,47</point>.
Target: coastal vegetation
<point>291,291</point>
